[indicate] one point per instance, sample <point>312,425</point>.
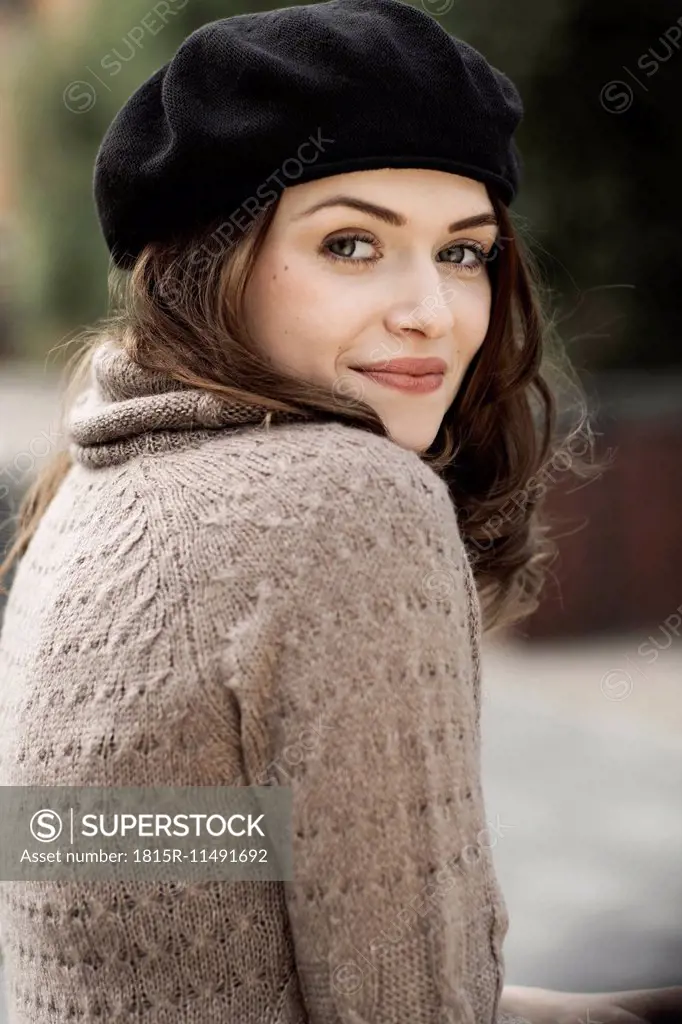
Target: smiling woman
<point>279,515</point>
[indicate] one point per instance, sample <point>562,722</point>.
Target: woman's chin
<point>413,436</point>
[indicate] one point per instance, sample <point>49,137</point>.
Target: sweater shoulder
<point>304,466</point>
<point>270,505</point>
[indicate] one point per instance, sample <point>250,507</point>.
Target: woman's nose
<point>427,310</point>
<point>434,320</point>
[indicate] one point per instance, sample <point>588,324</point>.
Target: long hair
<point>179,312</point>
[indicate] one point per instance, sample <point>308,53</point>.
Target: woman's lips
<point>406,381</point>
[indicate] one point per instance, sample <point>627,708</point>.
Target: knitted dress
<point>212,601</point>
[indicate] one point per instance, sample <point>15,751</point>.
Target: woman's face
<point>360,269</point>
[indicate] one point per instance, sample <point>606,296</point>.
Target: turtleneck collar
<point>126,410</point>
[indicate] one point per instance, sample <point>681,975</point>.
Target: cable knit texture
<point>213,600</point>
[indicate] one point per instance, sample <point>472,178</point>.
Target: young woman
<point>303,474</point>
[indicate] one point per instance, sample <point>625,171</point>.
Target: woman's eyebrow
<point>397,219</point>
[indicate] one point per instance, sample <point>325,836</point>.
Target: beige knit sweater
<point>210,601</point>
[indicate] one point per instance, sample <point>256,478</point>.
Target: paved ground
<point>28,406</point>
<point>592,869</point>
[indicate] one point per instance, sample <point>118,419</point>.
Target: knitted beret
<point>254,103</point>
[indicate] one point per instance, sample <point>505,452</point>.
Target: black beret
<point>254,103</point>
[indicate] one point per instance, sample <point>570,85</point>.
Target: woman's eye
<point>475,259</point>
<point>350,248</point>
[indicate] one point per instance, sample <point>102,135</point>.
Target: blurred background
<point>582,731</point>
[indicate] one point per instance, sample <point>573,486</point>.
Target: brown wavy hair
<point>179,311</point>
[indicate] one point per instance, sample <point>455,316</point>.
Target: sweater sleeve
<point>394,910</point>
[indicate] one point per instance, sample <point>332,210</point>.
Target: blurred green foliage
<point>67,90</point>
<point>599,185</point>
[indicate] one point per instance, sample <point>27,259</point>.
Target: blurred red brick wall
<point>620,536</point>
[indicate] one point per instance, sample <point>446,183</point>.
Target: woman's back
<point>209,603</point>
